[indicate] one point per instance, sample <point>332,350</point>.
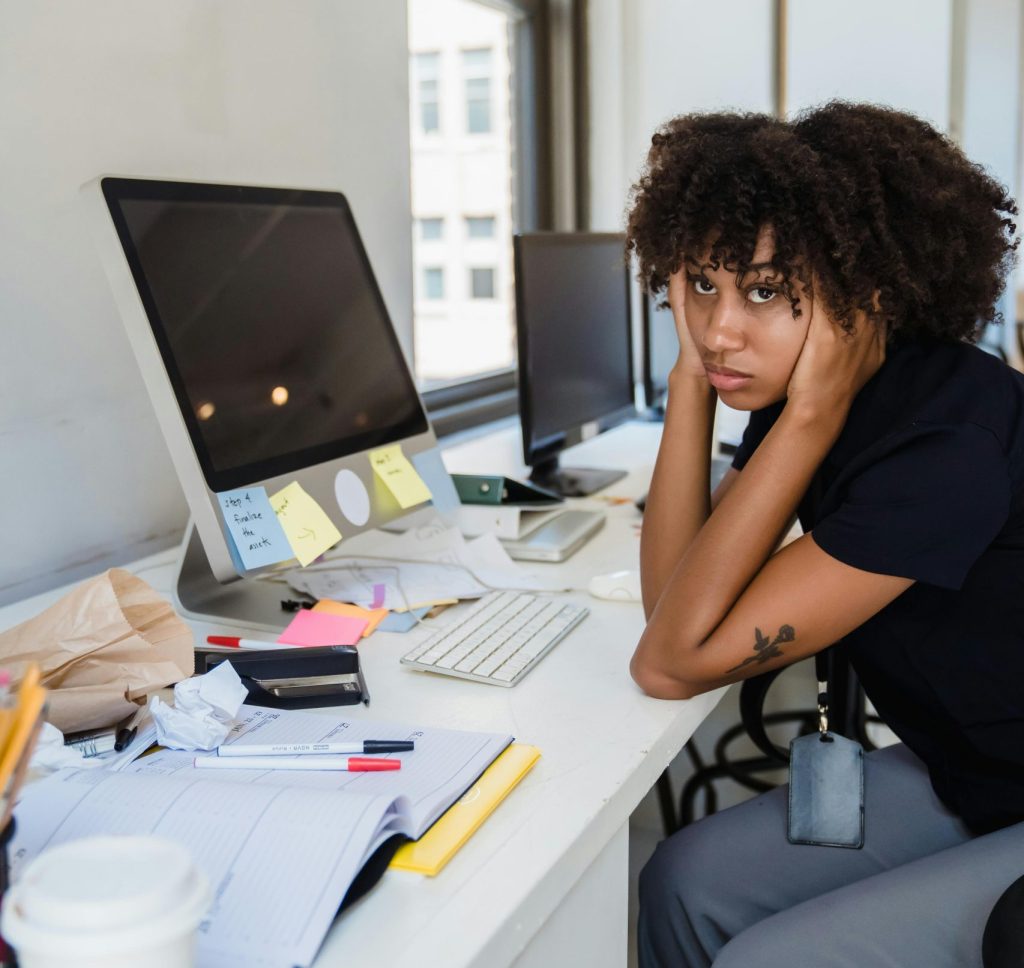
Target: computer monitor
<point>575,350</point>
<point>269,356</point>
<point>660,352</point>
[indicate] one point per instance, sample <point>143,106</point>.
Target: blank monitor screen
<point>661,348</point>
<point>270,324</point>
<point>575,348</point>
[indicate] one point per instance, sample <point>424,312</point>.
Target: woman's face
<point>743,328</point>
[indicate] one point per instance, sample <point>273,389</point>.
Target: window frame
<point>488,397</point>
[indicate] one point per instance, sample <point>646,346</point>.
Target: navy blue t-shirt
<point>926,481</point>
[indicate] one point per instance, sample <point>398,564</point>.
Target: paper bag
<point>102,649</point>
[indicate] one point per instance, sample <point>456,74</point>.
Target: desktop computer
<point>660,352</point>
<point>270,359</point>
<point>575,350</point>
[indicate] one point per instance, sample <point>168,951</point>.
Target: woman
<point>829,275</point>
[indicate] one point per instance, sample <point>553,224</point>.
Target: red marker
<point>233,642</point>
<point>352,764</point>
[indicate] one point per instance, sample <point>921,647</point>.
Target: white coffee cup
<point>107,902</point>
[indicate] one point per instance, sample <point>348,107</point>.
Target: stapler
<point>295,678</point>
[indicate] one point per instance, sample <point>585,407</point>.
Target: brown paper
<point>102,648</point>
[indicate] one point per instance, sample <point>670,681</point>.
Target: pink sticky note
<point>322,628</point>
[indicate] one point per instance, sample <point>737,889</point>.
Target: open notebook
<point>281,849</point>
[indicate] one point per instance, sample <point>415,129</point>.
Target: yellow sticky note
<point>373,616</point>
<point>306,525</point>
<point>394,469</point>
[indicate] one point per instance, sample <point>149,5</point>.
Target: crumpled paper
<point>105,645</point>
<point>203,713</point>
<point>51,754</point>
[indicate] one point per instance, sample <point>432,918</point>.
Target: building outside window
<point>480,227</point>
<point>463,318</point>
<point>476,66</point>
<point>433,282</point>
<point>431,229</point>
<point>481,283</point>
<point>427,70</point>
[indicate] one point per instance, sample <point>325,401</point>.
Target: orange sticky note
<point>373,616</point>
<point>321,628</point>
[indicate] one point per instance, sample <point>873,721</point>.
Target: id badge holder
<point>826,786</point>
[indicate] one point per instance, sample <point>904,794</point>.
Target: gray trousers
<point>731,890</point>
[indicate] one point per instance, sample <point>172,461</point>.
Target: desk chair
<point>847,716</point>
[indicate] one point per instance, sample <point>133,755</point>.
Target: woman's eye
<point>703,287</point>
<point>762,294</point>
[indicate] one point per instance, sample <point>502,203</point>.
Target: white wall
<point>894,52</point>
<point>653,59</point>
<point>305,93</point>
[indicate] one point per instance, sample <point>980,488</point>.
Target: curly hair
<point>871,209</point>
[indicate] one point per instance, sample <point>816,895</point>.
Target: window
<point>433,282</point>
<point>476,66</point>
<point>481,283</point>
<point>462,190</point>
<point>480,227</point>
<point>428,68</point>
<point>431,229</point>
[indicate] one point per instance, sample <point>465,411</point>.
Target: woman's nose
<point>725,330</point>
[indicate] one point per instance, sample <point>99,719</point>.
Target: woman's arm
<point>723,614</point>
<point>679,499</point>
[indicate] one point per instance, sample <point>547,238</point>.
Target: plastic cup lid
<point>101,884</point>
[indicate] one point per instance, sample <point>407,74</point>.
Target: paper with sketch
<point>280,848</point>
<point>452,567</point>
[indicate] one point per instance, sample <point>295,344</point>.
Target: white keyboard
<point>498,640</point>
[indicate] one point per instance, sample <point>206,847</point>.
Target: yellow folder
<point>438,845</point>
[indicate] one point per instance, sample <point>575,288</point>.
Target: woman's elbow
<point>659,685</point>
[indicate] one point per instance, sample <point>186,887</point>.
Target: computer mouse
<point>620,586</point>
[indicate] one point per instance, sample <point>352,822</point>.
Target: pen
<point>292,749</point>
<point>353,764</point>
<point>232,641</point>
<point>127,730</point>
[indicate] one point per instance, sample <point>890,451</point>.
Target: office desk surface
<point>604,744</point>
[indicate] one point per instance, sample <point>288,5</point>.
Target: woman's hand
<point>834,365</point>
<point>689,363</point>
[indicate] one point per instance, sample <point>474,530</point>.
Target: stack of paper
<point>419,567</point>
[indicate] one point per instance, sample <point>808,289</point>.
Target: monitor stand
<point>249,603</point>
<point>572,481</point>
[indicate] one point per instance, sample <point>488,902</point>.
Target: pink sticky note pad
<point>321,628</point>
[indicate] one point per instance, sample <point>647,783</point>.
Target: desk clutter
<point>281,812</point>
<point>285,838</point>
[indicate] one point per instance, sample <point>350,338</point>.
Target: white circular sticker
<point>352,497</point>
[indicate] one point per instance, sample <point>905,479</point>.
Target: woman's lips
<point>725,379</point>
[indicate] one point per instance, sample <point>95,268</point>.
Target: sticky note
<point>439,482</point>
<point>400,477</point>
<point>321,628</point>
<point>373,616</point>
<point>402,621</point>
<point>258,536</point>
<point>306,525</point>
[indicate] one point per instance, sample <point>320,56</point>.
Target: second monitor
<point>575,350</point>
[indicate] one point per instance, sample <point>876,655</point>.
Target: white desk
<point>544,881</point>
